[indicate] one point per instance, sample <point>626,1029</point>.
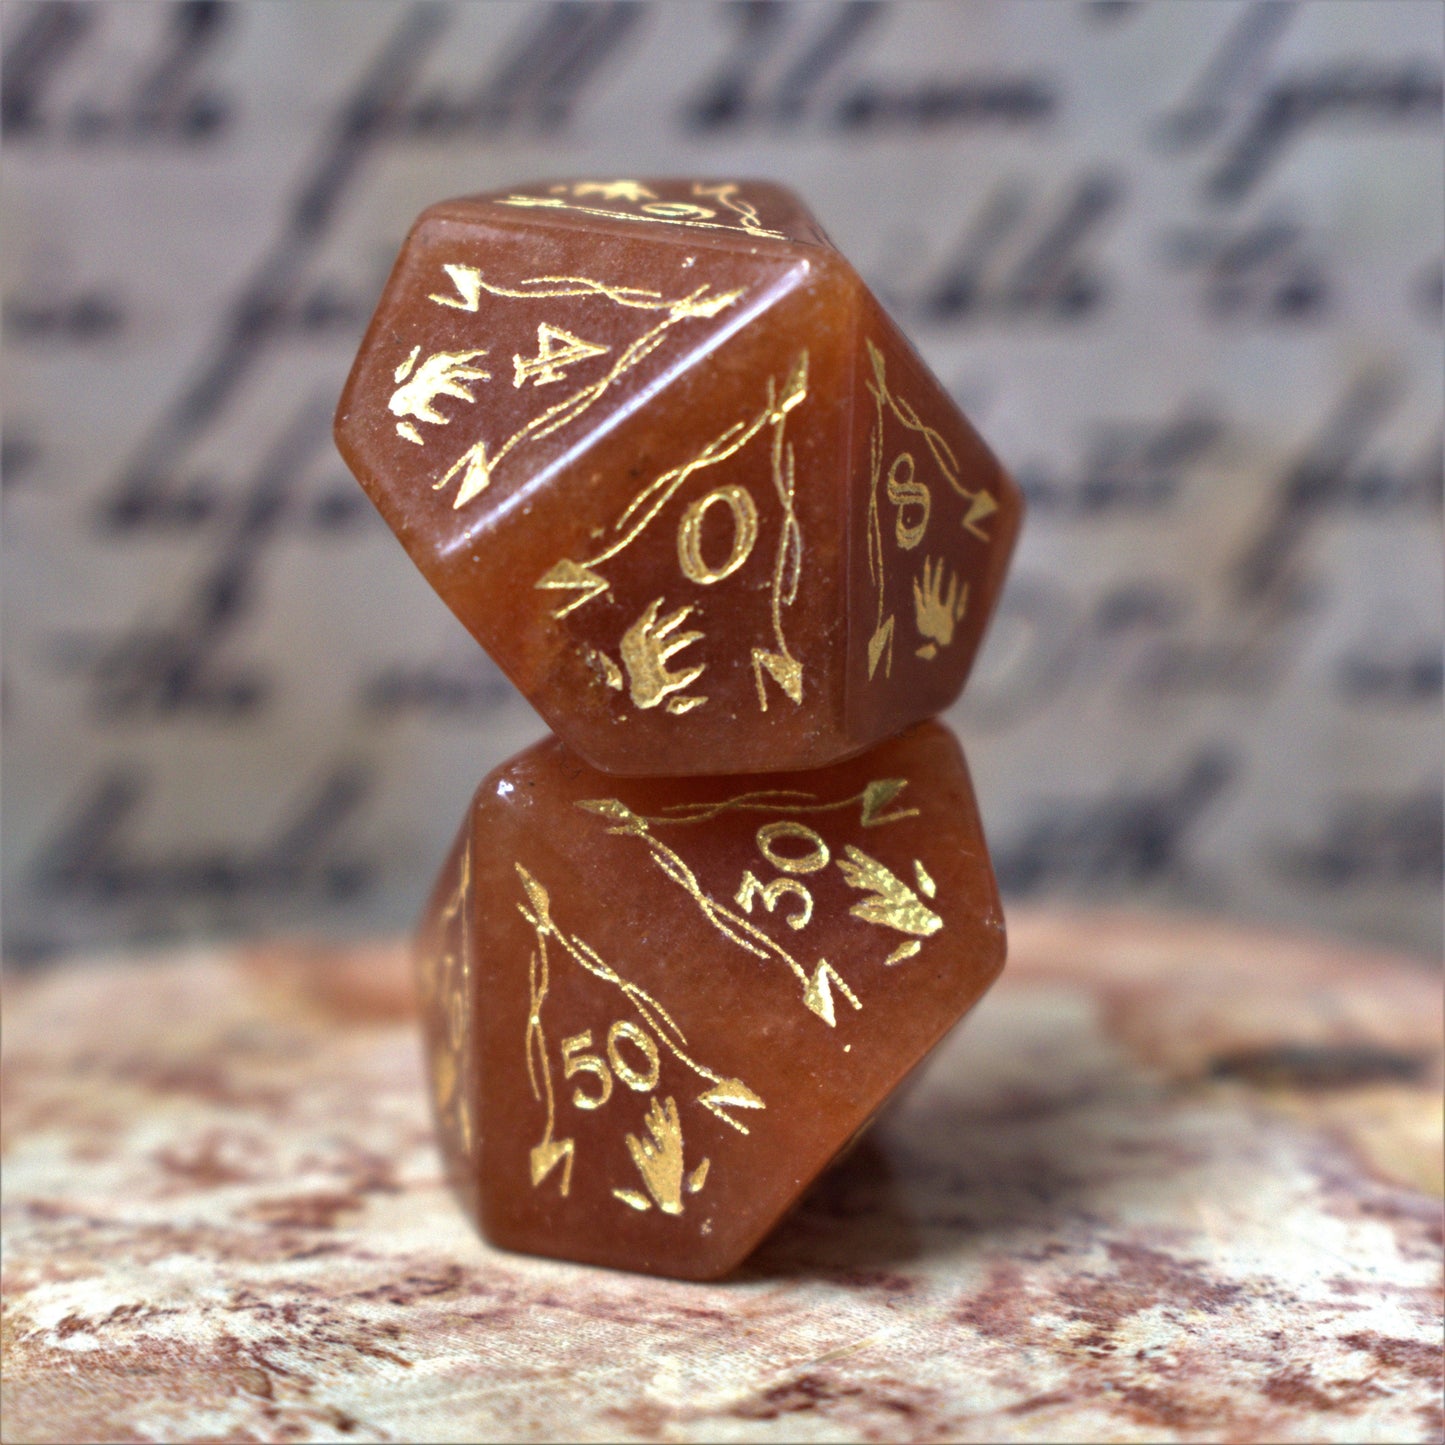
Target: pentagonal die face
<point>613,436</point>
<point>656,1010</point>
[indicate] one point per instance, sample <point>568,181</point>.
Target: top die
<point>667,459</point>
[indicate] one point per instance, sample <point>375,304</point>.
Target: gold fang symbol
<point>556,349</point>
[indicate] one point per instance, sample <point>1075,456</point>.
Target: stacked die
<point>671,464</point>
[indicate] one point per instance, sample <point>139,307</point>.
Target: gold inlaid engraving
<point>731,213</point>
<point>796,851</point>
<point>659,1160</point>
<point>738,501</point>
<point>721,1094</point>
<point>549,1151</point>
<point>445,978</point>
<point>443,373</point>
<point>936,610</point>
<point>473,469</point>
<point>872,800</point>
<point>891,902</point>
<point>556,350</point>
<point>646,647</point>
<point>735,927</point>
<point>648,642</point>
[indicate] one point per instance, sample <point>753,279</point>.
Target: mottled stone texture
<point>1175,1183</point>
<point>661,452</point>
<point>655,1009</point>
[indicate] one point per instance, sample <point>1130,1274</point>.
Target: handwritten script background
<point>1181,263</point>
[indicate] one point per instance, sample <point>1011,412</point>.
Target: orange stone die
<point>655,1010</point>
<point>663,454</point>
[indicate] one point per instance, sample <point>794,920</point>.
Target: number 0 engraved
<point>642,1081</point>
<point>689,534</point>
<point>813,861</point>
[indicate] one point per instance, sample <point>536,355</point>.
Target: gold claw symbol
<point>646,647</point>
<point>936,610</point>
<point>443,373</point>
<point>659,1156</point>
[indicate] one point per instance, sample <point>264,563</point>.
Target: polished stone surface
<point>667,459</point>
<point>656,1009</point>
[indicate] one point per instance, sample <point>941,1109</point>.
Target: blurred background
<point>1182,265</point>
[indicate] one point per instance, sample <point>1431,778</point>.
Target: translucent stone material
<point>666,458</point>
<point>655,1009</point>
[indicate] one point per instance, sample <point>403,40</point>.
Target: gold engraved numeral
<point>476,465</point>
<point>735,927</point>
<point>936,611</point>
<point>574,1061</point>
<point>905,492</point>
<point>689,534</point>
<point>770,835</point>
<point>585,582</point>
<point>722,1093</point>
<point>642,1080</point>
<point>556,350</point>
<point>771,893</point>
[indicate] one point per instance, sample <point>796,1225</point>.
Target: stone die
<point>662,454</point>
<point>655,1010</point>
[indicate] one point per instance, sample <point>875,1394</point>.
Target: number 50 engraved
<point>576,1061</point>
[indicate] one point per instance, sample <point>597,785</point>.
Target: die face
<point>725,212</point>
<point>688,995</point>
<point>658,565</point>
<point>934,522</point>
<point>446,976</point>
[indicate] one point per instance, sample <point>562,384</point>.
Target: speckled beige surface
<point>1171,1182</point>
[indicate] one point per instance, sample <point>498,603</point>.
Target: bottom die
<point>656,1009</point>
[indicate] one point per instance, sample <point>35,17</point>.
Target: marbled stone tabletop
<point>1172,1181</point>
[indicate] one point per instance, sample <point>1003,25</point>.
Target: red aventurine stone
<point>661,452</point>
<point>656,1009</point>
